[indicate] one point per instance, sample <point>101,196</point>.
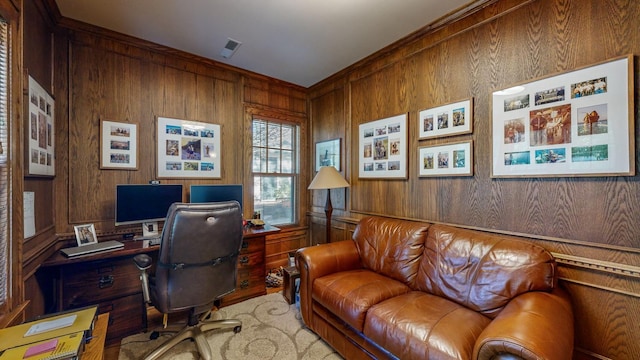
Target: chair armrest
<point>534,325</point>
<point>317,261</point>
<point>143,261</point>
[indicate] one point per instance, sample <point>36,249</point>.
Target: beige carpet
<point>271,329</point>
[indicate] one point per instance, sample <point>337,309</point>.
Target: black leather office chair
<point>196,266</point>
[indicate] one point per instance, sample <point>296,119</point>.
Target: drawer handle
<point>245,245</point>
<point>105,281</point>
<point>244,284</point>
<point>244,260</point>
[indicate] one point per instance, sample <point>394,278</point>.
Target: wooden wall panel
<point>38,32</point>
<point>542,38</point>
<point>327,122</point>
<point>108,85</point>
<point>502,44</point>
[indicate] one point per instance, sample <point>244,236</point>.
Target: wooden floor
<point>154,318</point>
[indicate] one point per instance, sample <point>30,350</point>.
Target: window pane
<point>259,133</point>
<point>287,162</point>
<point>273,198</point>
<point>259,160</point>
<point>287,137</point>
<point>275,164</point>
<point>274,161</point>
<point>274,136</point>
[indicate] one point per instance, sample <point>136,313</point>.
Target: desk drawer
<point>88,283</point>
<point>251,245</point>
<point>250,283</point>
<point>251,260</point>
<point>126,316</point>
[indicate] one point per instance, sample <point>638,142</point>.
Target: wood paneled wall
<point>127,80</point>
<point>589,223</point>
<point>95,74</point>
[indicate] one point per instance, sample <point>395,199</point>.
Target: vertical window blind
<point>5,169</point>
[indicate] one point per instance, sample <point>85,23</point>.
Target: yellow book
<point>48,328</point>
<point>68,346</point>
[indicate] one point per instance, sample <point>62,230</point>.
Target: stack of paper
<point>58,336</point>
<point>68,346</point>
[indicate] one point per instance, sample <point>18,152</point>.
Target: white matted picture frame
<point>453,159</point>
<point>328,153</point>
<point>446,120</point>
<point>578,123</point>
<point>118,145</point>
<point>188,149</point>
<point>41,138</point>
<point>382,148</point>
<point>85,234</point>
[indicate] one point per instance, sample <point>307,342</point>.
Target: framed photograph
<point>578,123</point>
<point>455,159</point>
<point>41,138</point>
<point>118,145</point>
<point>446,120</point>
<point>382,149</point>
<point>85,234</point>
<point>328,154</point>
<point>188,149</point>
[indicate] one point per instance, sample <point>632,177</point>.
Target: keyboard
<point>92,248</point>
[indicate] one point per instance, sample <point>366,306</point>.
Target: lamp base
<point>328,210</point>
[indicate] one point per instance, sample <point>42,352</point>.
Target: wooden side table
<point>289,277</point>
<point>94,350</point>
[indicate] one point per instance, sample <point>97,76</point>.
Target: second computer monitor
<point>215,193</point>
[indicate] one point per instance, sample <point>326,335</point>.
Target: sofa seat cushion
<point>349,294</point>
<point>418,325</point>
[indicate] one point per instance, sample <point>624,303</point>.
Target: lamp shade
<point>328,178</point>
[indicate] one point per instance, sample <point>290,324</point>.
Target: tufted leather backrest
<point>391,247</point>
<point>482,271</point>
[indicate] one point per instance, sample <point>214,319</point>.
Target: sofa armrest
<point>317,261</point>
<point>534,325</point>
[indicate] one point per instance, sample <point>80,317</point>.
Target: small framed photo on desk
<point>85,234</point>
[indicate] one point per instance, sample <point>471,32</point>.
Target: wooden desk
<point>94,350</point>
<point>250,278</point>
<point>112,281</point>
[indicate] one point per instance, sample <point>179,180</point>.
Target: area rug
<point>271,329</point>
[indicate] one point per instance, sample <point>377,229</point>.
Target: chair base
<point>196,332</point>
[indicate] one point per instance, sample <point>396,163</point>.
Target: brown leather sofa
<point>412,290</point>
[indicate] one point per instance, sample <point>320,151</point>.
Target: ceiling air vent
<point>231,47</point>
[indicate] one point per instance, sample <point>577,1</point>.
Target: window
<point>5,242</point>
<point>275,170</point>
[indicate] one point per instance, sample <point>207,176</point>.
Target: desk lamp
<point>328,178</point>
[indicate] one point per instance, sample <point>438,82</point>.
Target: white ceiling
<point>298,41</point>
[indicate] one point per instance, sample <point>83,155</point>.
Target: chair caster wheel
<point>237,329</point>
<point>154,335</point>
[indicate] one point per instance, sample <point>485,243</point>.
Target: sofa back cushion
<point>482,271</point>
<point>391,247</point>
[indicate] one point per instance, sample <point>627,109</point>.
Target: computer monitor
<point>215,193</point>
<point>145,204</point>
